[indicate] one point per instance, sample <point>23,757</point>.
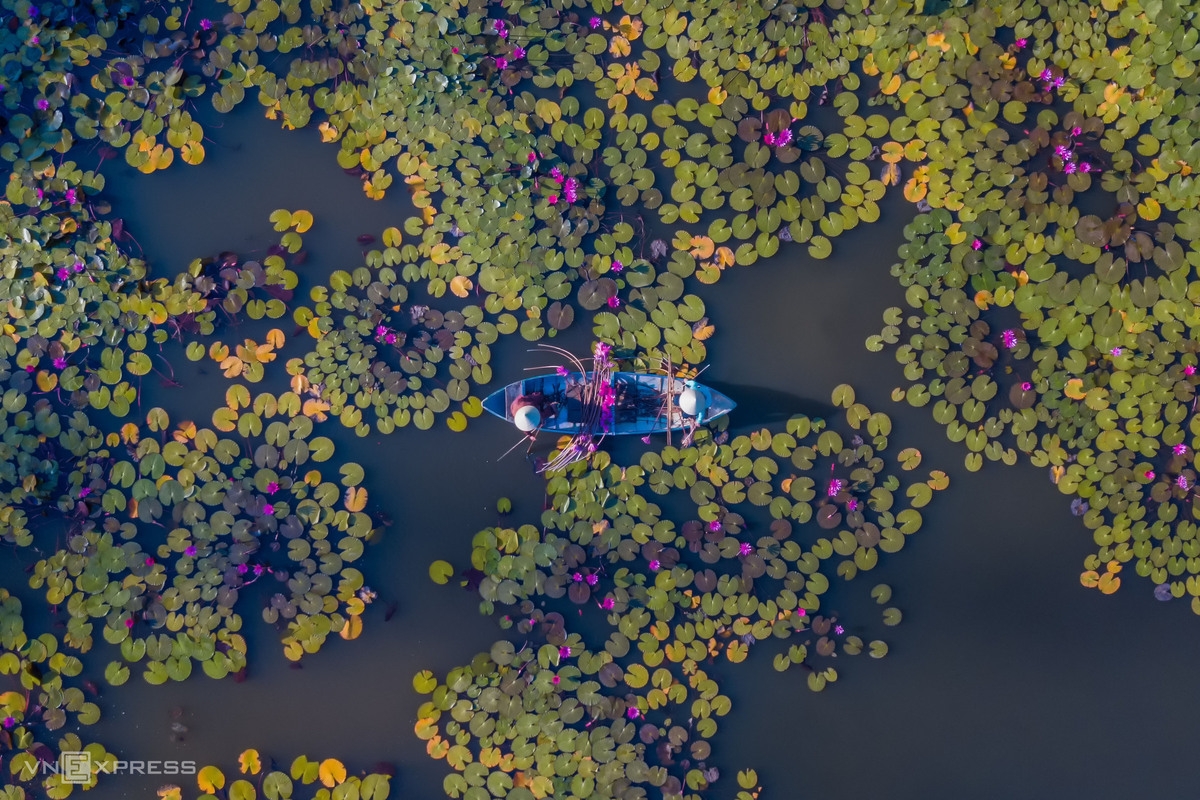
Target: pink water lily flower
<point>715,525</point>
<point>632,712</point>
<point>595,22</point>
<point>593,579</point>
<point>206,24</point>
<point>501,62</point>
<point>564,652</point>
<point>1148,474</point>
<point>655,565</point>
<point>608,604</point>
<point>1189,370</point>
<point>1027,386</point>
<point>614,302</point>
<point>1180,449</point>
<point>745,549</point>
<point>190,550</point>
<point>552,199</point>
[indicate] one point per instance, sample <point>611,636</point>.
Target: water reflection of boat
<point>642,404</point>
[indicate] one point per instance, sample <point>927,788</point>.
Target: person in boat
<point>693,403</point>
<point>531,411</point>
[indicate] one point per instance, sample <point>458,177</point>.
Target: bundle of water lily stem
<point>597,398</point>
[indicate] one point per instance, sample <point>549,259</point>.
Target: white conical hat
<point>527,419</point>
<point>692,402</point>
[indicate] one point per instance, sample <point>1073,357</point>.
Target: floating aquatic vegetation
<point>1097,381</point>
<point>1035,328</point>
<point>234,516</point>
<point>42,699</point>
<point>257,776</point>
<point>675,595</point>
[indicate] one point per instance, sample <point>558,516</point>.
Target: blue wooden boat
<point>641,404</point>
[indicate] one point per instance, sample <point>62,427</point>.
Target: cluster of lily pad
<point>261,778</point>
<point>1038,329</point>
<point>233,513</point>
<point>547,712</point>
<point>41,694</point>
<point>154,529</point>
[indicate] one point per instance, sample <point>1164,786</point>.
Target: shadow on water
<point>759,406</point>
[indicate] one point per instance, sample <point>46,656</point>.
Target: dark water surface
<point>1006,679</point>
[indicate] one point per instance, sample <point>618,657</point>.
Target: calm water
<point>1006,679</point>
